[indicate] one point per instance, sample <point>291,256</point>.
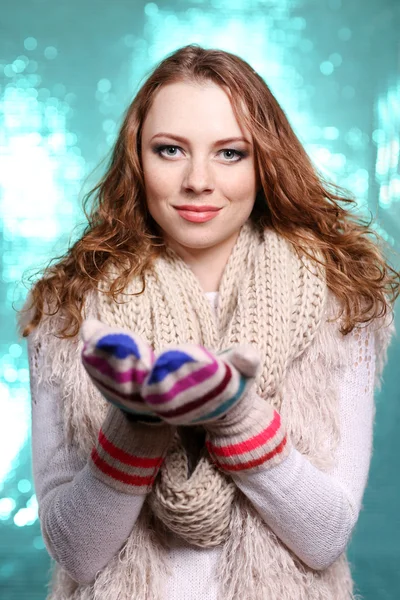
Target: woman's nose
<point>198,176</point>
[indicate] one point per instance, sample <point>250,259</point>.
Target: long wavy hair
<point>294,199</point>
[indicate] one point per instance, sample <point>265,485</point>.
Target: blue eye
<point>161,148</point>
<point>236,152</point>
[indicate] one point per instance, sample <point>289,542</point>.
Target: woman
<point>212,238</point>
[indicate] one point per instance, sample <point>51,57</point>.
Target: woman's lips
<point>197,216</point>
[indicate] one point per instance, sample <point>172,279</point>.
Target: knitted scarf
<point>288,301</point>
<point>279,302</point>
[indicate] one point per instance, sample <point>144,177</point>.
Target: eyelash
<point>160,148</point>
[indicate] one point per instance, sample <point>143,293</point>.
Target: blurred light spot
<point>315,132</point>
<point>70,98</point>
<point>25,516</point>
<point>38,543</point>
<point>59,89</point>
<point>336,59</point>
<point>151,9</point>
<point>71,138</point>
<point>28,515</point>
<point>378,135</point>
<point>24,486</point>
<point>7,570</point>
<point>384,196</point>
<point>10,375</point>
<point>353,136</point>
<point>43,94</point>
<point>7,505</point>
<point>306,45</point>
<point>31,67</point>
<point>104,85</point>
<point>50,52</point>
<point>111,139</point>
<point>18,66</point>
<point>30,43</point>
<point>172,20</point>
<point>381,160</point>
<point>326,67</point>
<point>338,161</point>
<point>56,141</point>
<point>9,71</point>
<point>323,155</point>
<point>331,133</point>
<point>23,377</point>
<point>108,125</point>
<point>15,350</point>
<point>299,23</point>
<point>394,188</point>
<point>129,40</point>
<point>344,34</point>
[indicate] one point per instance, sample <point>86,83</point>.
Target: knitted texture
<point>274,301</point>
<point>250,438</point>
<point>255,288</point>
<point>128,455</point>
<point>190,385</point>
<point>182,385</point>
<point>117,361</point>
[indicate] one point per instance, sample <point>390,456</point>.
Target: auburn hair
<point>294,199</point>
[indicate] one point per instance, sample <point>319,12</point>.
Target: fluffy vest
<point>270,297</point>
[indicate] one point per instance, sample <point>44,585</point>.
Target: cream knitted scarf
<point>267,298</point>
<point>270,298</point>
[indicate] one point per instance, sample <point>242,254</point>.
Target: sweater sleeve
<point>84,521</point>
<point>311,511</point>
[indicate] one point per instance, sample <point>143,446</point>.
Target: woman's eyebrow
<point>185,141</point>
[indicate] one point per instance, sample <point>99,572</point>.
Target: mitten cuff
<point>128,455</point>
<point>251,438</point>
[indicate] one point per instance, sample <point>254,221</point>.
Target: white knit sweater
<point>85,522</point>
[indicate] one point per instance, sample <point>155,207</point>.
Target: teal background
<point>67,72</point>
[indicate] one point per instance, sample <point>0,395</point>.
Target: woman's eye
<point>165,151</point>
<point>237,153</point>
<point>161,149</point>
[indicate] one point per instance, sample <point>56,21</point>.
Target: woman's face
<point>190,160</point>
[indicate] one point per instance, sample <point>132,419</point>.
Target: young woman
<point>203,360</point>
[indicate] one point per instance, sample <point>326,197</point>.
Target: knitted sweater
<point>85,522</point>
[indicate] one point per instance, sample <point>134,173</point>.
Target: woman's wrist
<point>250,438</point>
<point>129,454</point>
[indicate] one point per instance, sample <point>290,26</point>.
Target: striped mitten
<point>128,455</point>
<point>131,444</point>
<point>190,385</point>
<point>117,361</point>
<point>250,438</point>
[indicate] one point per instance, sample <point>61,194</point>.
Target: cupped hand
<point>117,361</point>
<point>190,385</point>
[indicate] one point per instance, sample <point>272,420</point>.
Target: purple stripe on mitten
<point>189,385</point>
<point>118,361</point>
